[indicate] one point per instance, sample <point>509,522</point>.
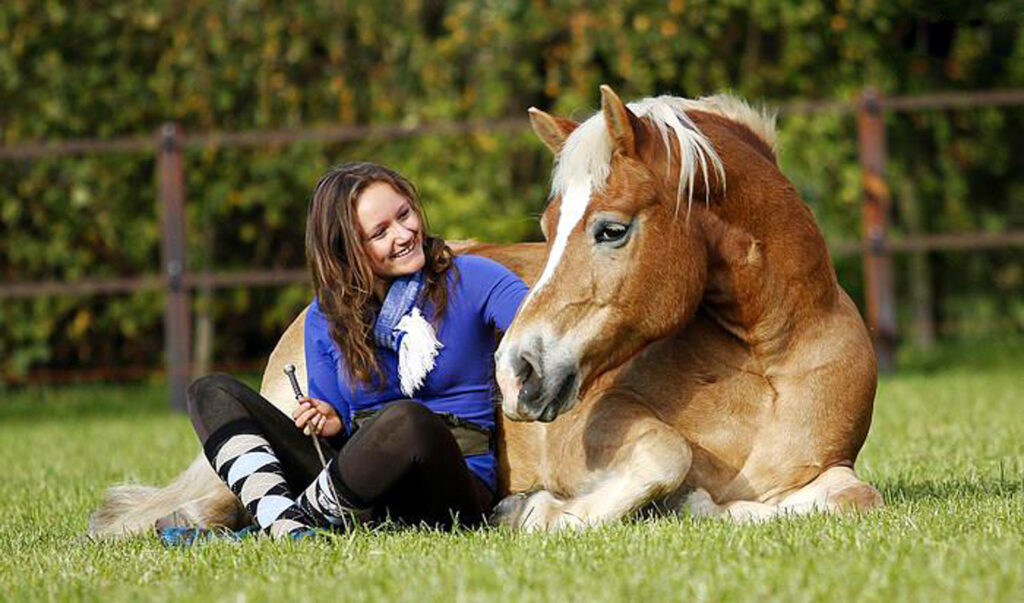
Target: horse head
<point>627,261</point>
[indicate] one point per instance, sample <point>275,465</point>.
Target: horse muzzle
<point>534,389</point>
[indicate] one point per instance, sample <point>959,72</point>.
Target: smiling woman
<point>399,341</point>
<point>365,228</point>
<point>391,231</point>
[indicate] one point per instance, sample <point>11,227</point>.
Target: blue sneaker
<point>185,536</point>
<point>305,533</point>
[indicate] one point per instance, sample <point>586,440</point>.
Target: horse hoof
<point>699,503</point>
<point>508,511</point>
<point>182,517</point>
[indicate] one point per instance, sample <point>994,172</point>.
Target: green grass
<point>946,449</point>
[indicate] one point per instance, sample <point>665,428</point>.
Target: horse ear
<point>550,129</point>
<point>620,121</point>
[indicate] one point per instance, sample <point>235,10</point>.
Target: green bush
<point>122,68</point>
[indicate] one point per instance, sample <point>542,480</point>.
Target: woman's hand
<point>318,416</point>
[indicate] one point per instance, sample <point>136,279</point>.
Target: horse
<point>685,342</point>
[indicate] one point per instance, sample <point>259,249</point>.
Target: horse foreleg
<point>700,504</point>
<point>635,459</point>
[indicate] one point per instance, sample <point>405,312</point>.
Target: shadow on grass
<point>39,403</point>
<point>982,353</point>
<point>913,490</point>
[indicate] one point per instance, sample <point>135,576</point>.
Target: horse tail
<point>196,497</point>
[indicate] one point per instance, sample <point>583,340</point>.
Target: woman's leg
<point>261,456</point>
<point>406,462</point>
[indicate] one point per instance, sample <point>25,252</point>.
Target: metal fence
<point>177,283</point>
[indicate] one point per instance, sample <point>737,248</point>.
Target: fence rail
<point>275,277</point>
<point>169,143</point>
<point>350,133</point>
<point>221,279</point>
<point>974,241</point>
<point>257,138</point>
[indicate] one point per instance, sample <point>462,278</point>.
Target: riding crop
<point>289,370</point>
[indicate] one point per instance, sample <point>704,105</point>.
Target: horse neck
<point>769,268</point>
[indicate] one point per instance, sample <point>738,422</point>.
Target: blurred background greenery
<point>122,67</point>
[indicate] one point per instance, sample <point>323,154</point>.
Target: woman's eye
<point>378,234</point>
<point>610,232</point>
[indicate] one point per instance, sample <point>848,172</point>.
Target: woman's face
<point>391,231</point>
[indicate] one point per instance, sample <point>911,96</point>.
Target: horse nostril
<point>530,378</point>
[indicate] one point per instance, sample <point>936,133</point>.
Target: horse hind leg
<point>836,490</point>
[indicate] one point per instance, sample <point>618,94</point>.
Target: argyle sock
<point>247,463</point>
<point>326,503</point>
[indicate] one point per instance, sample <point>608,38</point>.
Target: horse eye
<point>611,233</point>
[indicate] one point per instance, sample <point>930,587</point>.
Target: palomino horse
<point>686,340</point>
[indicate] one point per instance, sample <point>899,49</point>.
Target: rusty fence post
<point>171,177</point>
<point>880,294</point>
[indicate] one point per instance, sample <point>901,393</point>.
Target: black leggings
<point>404,463</point>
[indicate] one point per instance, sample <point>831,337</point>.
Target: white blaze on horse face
<point>574,205</point>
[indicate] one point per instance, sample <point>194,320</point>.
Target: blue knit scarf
<point>401,327</point>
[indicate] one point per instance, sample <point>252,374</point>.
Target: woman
<point>399,347</point>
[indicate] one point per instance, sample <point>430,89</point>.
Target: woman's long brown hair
<point>342,278</point>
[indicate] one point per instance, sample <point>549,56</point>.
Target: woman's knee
<point>209,386</point>
<point>213,401</point>
<point>413,424</point>
<point>209,396</point>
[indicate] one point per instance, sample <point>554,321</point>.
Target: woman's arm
<point>501,292</point>
<point>322,365</point>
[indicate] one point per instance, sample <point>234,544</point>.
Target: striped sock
<point>248,465</point>
<point>327,505</point>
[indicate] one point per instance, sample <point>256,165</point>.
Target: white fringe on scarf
<point>417,352</point>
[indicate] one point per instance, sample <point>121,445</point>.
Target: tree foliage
<point>71,70</point>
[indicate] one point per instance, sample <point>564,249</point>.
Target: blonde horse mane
<point>585,158</point>
<point>761,122</point>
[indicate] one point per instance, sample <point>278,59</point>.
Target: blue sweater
<point>485,296</point>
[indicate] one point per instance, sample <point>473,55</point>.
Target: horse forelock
<point>585,158</point>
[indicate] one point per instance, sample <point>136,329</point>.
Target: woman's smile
<point>408,249</point>
<point>391,230</point>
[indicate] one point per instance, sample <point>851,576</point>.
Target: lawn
<point>946,450</point>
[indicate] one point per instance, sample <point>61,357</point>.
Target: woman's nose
<point>403,234</point>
